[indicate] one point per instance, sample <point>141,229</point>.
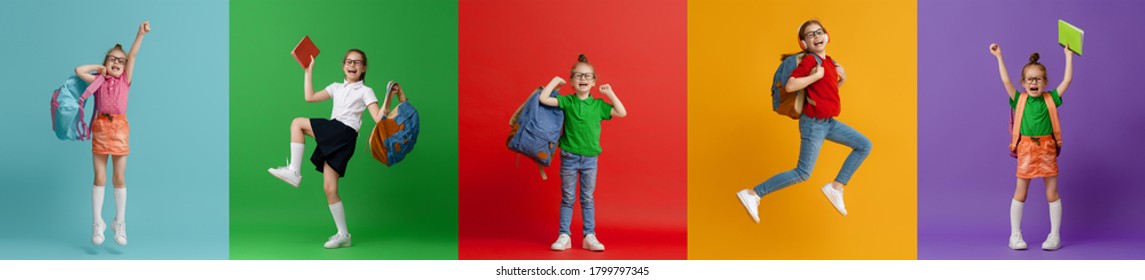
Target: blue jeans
<point>584,166</point>
<point>812,131</point>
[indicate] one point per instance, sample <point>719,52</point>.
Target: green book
<point>1070,35</point>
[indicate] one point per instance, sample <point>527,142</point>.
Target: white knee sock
<point>296,151</point>
<point>1016,216</point>
<point>339,214</point>
<point>97,203</point>
<point>121,204</point>
<point>1055,216</point>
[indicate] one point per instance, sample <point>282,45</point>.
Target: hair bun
<point>582,58</point>
<point>1034,58</point>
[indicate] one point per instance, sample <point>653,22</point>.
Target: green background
<point>408,211</point>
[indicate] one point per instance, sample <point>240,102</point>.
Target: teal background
<point>177,172</point>
<point>407,211</point>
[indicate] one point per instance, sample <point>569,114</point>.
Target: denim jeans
<point>573,165</point>
<point>812,131</point>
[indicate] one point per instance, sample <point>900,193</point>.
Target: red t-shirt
<point>825,91</point>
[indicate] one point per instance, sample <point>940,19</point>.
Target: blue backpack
<point>67,108</point>
<point>786,103</point>
<point>536,129</point>
<point>394,137</point>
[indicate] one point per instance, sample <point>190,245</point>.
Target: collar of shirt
<point>353,86</point>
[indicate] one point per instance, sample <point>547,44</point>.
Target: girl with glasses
<point>110,132</point>
<point>1036,146</point>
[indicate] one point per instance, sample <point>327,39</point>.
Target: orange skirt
<point>110,135</point>
<point>1037,157</point>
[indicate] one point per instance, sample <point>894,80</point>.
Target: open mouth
<point>352,71</point>
<point>1034,89</point>
<point>115,68</point>
<point>582,84</point>
<point>818,43</point>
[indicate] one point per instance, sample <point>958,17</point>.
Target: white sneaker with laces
<point>292,177</point>
<point>563,242</point>
<point>836,198</point>
<point>1053,242</point>
<point>590,243</point>
<point>750,201</point>
<point>97,232</point>
<point>120,230</point>
<point>1016,241</point>
<point>338,241</point>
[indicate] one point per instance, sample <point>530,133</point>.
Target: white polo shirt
<point>349,102</point>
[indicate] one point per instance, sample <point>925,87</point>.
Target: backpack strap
<point>1053,109</point>
<point>1018,112</point>
<point>818,62</point>
<point>82,127</point>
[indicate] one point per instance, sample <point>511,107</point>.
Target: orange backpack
<point>1016,122</point>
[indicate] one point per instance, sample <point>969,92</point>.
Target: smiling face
<point>815,37</point>
<point>1034,79</point>
<point>114,62</point>
<point>354,66</point>
<point>583,77</point>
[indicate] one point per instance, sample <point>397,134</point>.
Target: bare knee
<point>100,180</point>
<point>119,181</point>
<point>298,123</point>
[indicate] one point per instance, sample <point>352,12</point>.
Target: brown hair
<point>365,62</point>
<point>801,33</point>
<point>1033,63</point>
<point>117,47</point>
<point>581,59</point>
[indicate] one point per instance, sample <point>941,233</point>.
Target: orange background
<point>736,141</point>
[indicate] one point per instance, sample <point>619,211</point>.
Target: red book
<point>304,51</point>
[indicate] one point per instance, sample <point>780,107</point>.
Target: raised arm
<point>308,85</point>
<point>84,72</point>
<point>997,52</point>
<point>129,69</point>
<point>544,94</point>
<point>618,110</point>
<point>1068,77</point>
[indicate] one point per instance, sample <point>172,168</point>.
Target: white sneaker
<point>338,241</point>
<point>97,229</point>
<point>563,242</point>
<point>751,202</point>
<point>1053,242</point>
<point>836,198</point>
<point>292,177</point>
<point>120,230</point>
<point>590,243</point>
<point>1016,241</point>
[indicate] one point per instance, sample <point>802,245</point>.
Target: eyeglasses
<point>584,76</point>
<point>116,60</point>
<point>815,33</point>
<point>353,62</point>
<point>1034,80</point>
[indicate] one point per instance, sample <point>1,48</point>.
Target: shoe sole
<point>828,196</point>
<point>293,184</point>
<point>590,249</point>
<point>348,244</point>
<point>743,199</point>
<point>566,247</point>
<point>1019,249</point>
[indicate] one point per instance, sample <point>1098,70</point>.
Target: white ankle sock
<point>121,204</point>
<point>339,214</point>
<point>296,150</point>
<point>1016,216</point>
<point>1055,216</point>
<point>97,203</point>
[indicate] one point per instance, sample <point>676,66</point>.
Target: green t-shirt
<point>582,123</point>
<point>1036,119</point>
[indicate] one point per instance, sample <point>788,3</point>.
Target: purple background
<point>966,176</point>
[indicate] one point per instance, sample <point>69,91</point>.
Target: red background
<point>508,49</point>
